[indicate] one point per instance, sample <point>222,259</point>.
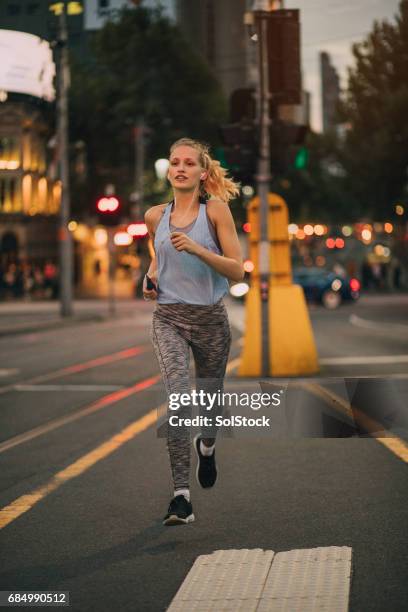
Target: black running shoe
<point>206,472</point>
<point>180,512</point>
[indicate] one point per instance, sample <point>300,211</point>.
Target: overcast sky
<point>332,26</point>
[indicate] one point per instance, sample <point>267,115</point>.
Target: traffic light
<point>239,137</point>
<point>239,152</point>
<point>301,158</point>
<point>108,209</point>
<point>287,147</point>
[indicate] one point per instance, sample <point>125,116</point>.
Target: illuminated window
<point>27,192</point>
<point>42,195</point>
<point>9,153</point>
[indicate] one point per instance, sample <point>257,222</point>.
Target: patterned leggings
<point>176,328</point>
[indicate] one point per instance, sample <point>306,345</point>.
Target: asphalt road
<point>93,500</point>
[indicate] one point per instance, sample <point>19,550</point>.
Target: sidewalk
<point>18,317</point>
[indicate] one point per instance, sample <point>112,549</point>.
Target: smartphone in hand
<point>150,284</point>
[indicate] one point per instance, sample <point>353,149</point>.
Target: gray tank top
<point>183,277</point>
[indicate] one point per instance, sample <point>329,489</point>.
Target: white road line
<point>378,326</point>
<point>8,372</point>
<point>364,360</point>
<point>68,387</point>
<point>261,581</point>
<point>99,403</point>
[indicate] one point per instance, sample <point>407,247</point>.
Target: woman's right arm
<point>151,223</point>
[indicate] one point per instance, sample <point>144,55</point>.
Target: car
<point>326,287</point>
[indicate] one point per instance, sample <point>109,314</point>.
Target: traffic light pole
<point>263,179</point>
<point>278,336</point>
<point>64,235</point>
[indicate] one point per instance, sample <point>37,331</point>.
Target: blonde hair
<point>217,184</point>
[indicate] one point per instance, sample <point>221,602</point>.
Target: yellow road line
<point>392,442</point>
<point>25,502</point>
<point>331,398</point>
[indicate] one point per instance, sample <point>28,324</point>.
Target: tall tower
<point>330,91</point>
<point>217,31</point>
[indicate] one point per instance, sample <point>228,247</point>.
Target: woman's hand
<point>150,294</point>
<point>182,242</point>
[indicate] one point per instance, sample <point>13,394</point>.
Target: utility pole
<point>64,235</point>
<point>263,175</point>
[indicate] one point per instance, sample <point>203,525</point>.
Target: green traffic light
<point>301,158</point>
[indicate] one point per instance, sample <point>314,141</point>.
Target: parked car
<point>326,287</point>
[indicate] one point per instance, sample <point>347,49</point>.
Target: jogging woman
<point>196,250</point>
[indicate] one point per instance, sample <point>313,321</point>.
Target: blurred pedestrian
<point>395,273</point>
<point>196,251</point>
<point>38,282</point>
<point>50,280</point>
<point>366,275</point>
<point>28,279</point>
<point>377,275</point>
<point>9,280</point>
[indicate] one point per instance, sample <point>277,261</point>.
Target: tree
<point>375,107</point>
<point>140,66</point>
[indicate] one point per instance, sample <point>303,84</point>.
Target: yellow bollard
<point>251,356</point>
<point>292,350</point>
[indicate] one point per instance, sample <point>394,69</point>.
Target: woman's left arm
<point>229,264</point>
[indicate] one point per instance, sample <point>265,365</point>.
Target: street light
<point>161,167</point>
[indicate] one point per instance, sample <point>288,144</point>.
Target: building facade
<point>29,196</point>
<point>330,91</point>
<point>217,31</point>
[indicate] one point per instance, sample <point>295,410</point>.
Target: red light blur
<point>355,284</point>
<point>107,204</point>
<point>246,227</point>
<point>330,243</point>
<point>137,229</point>
<point>249,265</point>
<point>339,243</point>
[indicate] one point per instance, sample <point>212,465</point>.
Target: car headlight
<point>239,289</point>
<point>336,284</point>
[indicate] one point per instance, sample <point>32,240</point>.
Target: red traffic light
<point>247,228</point>
<point>108,204</point>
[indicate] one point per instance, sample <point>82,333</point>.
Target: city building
<point>29,189</point>
<point>330,91</point>
<point>29,197</point>
<point>217,31</point>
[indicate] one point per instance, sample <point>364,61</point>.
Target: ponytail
<point>217,185</point>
